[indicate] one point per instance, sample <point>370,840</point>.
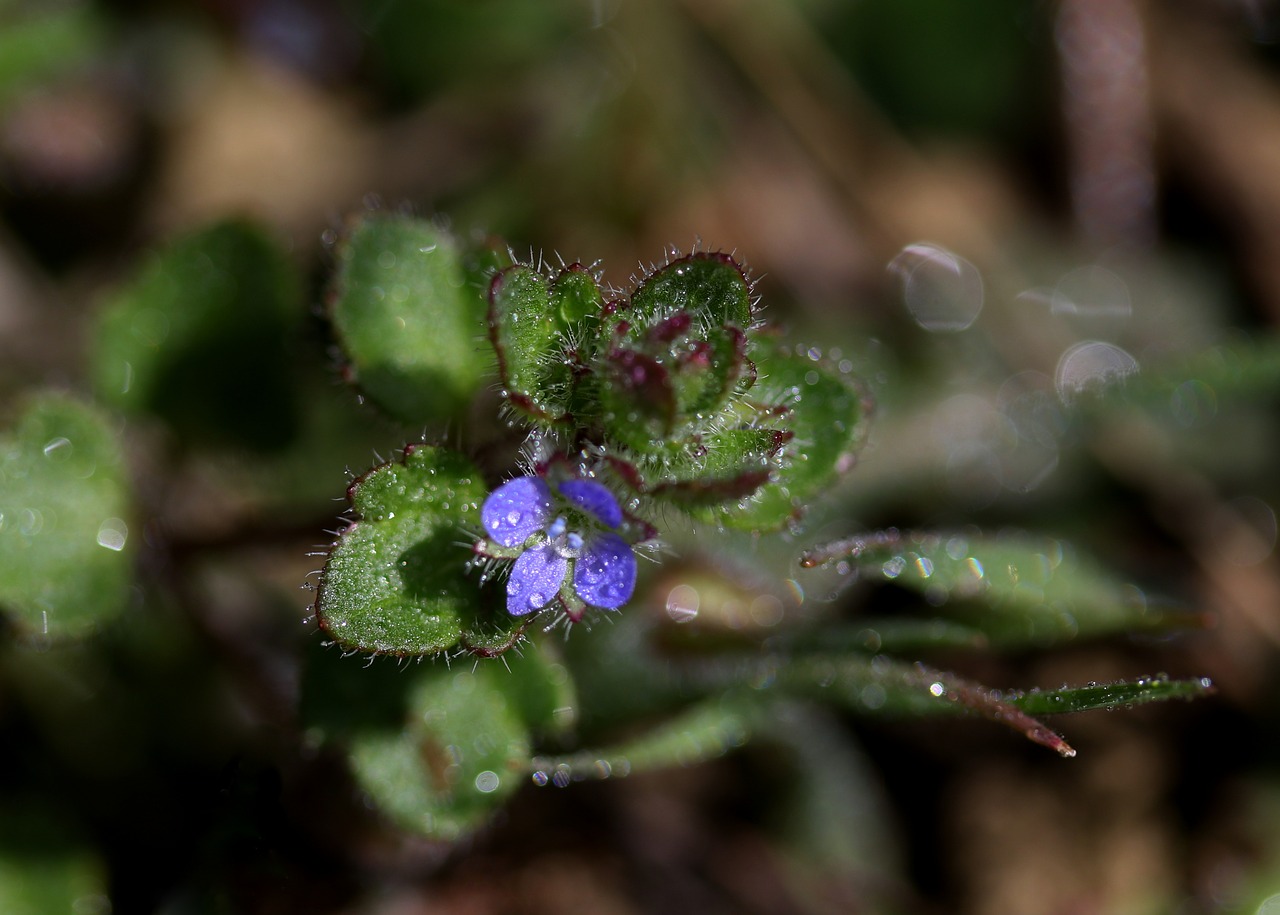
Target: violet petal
<point>595,498</point>
<point>516,510</point>
<point>605,575</point>
<point>535,580</point>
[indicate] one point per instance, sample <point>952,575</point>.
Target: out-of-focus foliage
<point>1074,384</point>
<point>65,517</point>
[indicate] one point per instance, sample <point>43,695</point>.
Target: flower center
<point>566,543</point>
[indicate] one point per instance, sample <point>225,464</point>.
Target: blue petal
<point>516,510</point>
<point>605,574</point>
<point>535,580</point>
<point>595,498</point>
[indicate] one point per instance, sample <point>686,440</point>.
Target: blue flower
<point>569,532</point>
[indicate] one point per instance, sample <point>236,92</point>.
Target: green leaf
<point>396,580</point>
<point>637,399</point>
<point>410,318</point>
<point>464,747</point>
<point>704,731</point>
<point>711,287</point>
<point>525,331</point>
<point>41,43</point>
<point>1118,694</point>
<point>895,635</point>
<point>576,300</point>
<point>64,520</point>
<point>706,475</point>
<point>201,338</point>
<point>1019,590</point>
<point>884,685</point>
<point>827,415</point>
<point>46,867</point>
<point>828,802</point>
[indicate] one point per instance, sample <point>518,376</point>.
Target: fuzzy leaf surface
<point>827,417</point>
<point>396,580</point>
<point>524,328</point>
<point>410,315</point>
<point>711,288</point>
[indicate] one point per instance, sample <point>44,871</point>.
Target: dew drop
<point>942,290</point>
<point>59,447</point>
<point>1089,364</point>
<point>113,533</point>
<point>1092,290</point>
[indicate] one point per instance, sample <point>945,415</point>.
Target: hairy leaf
<point>410,317</point>
<point>396,580</point>
<point>827,416</point>
<point>711,287</point>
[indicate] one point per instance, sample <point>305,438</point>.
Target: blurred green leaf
<point>396,581</point>
<point>1018,590</point>
<point>828,800</point>
<point>64,528</point>
<point>424,45</point>
<point>703,731</point>
<point>464,747</point>
<point>200,337</point>
<point>40,42</point>
<point>895,635</point>
<point>1192,387</point>
<point>409,318</point>
<point>934,66</point>
<point>44,868</point>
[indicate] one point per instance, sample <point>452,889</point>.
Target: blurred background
<point>982,207</point>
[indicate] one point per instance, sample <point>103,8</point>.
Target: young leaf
<point>827,416</point>
<point>396,580</point>
<point>524,328</point>
<point>710,287</point>
<point>701,475</point>
<point>408,319</point>
<point>64,533</point>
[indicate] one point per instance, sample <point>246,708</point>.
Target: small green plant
<point>583,432</point>
<point>671,404</point>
